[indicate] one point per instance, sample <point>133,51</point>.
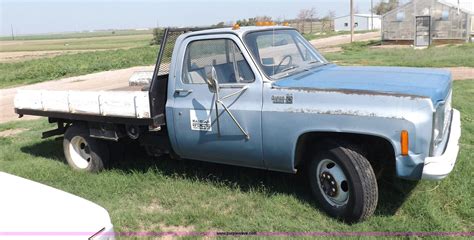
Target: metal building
<point>362,22</point>
<point>425,22</point>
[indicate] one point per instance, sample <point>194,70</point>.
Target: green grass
<point>360,53</point>
<point>142,194</point>
<point>81,43</point>
<point>44,69</point>
<point>313,36</point>
<point>102,33</point>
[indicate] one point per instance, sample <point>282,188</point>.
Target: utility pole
<point>372,13</point>
<point>13,36</point>
<point>352,21</point>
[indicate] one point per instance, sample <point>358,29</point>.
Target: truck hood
<point>27,207</point>
<point>431,83</point>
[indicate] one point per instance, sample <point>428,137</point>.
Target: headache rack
<point>159,81</point>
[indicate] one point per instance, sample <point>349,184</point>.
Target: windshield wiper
<point>320,64</point>
<point>280,73</point>
<point>314,61</point>
<point>288,68</point>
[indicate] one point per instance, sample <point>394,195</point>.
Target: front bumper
<point>437,168</point>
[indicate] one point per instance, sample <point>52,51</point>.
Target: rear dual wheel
<point>343,182</point>
<point>82,152</point>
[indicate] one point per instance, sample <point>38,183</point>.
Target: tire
<point>343,182</point>
<point>82,152</point>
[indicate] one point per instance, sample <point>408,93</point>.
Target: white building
<point>362,22</point>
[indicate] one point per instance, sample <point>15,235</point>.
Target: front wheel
<point>82,152</point>
<point>343,182</point>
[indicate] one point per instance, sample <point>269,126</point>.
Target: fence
<point>313,27</point>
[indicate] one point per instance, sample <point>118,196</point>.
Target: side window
<point>445,15</point>
<point>400,16</point>
<point>223,54</point>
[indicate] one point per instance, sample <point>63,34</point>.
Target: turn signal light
<point>264,24</point>
<point>236,27</point>
<point>404,142</point>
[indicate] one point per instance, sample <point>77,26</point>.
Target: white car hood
<point>28,207</point>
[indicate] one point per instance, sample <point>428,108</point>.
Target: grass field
<point>67,65</point>
<point>363,53</point>
<point>81,43</point>
<point>122,49</point>
<point>144,194</point>
<point>100,33</point>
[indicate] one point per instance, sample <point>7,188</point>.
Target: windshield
<point>281,53</point>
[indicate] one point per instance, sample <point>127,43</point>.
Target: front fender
<point>379,116</point>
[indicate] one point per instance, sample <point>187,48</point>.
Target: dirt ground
<point>462,73</point>
<point>8,57</point>
<point>21,50</point>
<point>390,46</point>
<point>11,132</point>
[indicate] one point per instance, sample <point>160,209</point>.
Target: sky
<point>54,16</point>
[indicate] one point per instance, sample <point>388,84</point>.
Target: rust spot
<point>339,112</point>
<point>350,92</point>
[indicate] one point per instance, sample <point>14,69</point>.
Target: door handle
<point>179,91</point>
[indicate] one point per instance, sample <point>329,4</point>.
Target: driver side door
<point>203,132</point>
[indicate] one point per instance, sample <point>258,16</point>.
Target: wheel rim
<point>79,151</point>
<point>332,182</point>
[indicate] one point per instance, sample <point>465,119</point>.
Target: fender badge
<point>282,99</point>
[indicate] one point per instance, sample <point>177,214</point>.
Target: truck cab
<point>263,97</point>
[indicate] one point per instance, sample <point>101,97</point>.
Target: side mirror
<point>211,79</point>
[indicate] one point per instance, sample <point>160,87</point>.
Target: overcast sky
<point>36,16</point>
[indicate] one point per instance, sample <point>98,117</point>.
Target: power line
<point>352,21</point>
<point>13,36</point>
<point>372,13</point>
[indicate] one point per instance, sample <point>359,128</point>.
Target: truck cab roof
<point>241,31</point>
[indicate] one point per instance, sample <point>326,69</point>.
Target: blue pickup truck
<point>263,97</point>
